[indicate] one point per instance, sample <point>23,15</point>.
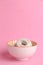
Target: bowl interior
<point>33,43</point>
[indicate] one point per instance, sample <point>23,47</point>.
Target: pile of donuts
<point>20,43</point>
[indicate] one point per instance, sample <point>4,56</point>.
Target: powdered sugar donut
<point>23,42</point>
<point>12,43</point>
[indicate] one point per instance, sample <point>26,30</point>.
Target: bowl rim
<point>23,46</point>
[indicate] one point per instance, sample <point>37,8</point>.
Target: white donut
<point>19,42</point>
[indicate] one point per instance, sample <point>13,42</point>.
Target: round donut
<point>12,43</point>
<point>23,42</point>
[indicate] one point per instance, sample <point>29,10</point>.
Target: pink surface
<point>21,18</point>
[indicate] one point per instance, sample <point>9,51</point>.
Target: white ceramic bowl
<point>22,52</point>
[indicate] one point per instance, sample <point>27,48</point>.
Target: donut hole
<point>24,43</point>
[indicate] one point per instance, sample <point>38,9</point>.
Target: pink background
<point>21,18</point>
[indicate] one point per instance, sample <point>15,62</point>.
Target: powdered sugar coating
<point>23,42</point>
